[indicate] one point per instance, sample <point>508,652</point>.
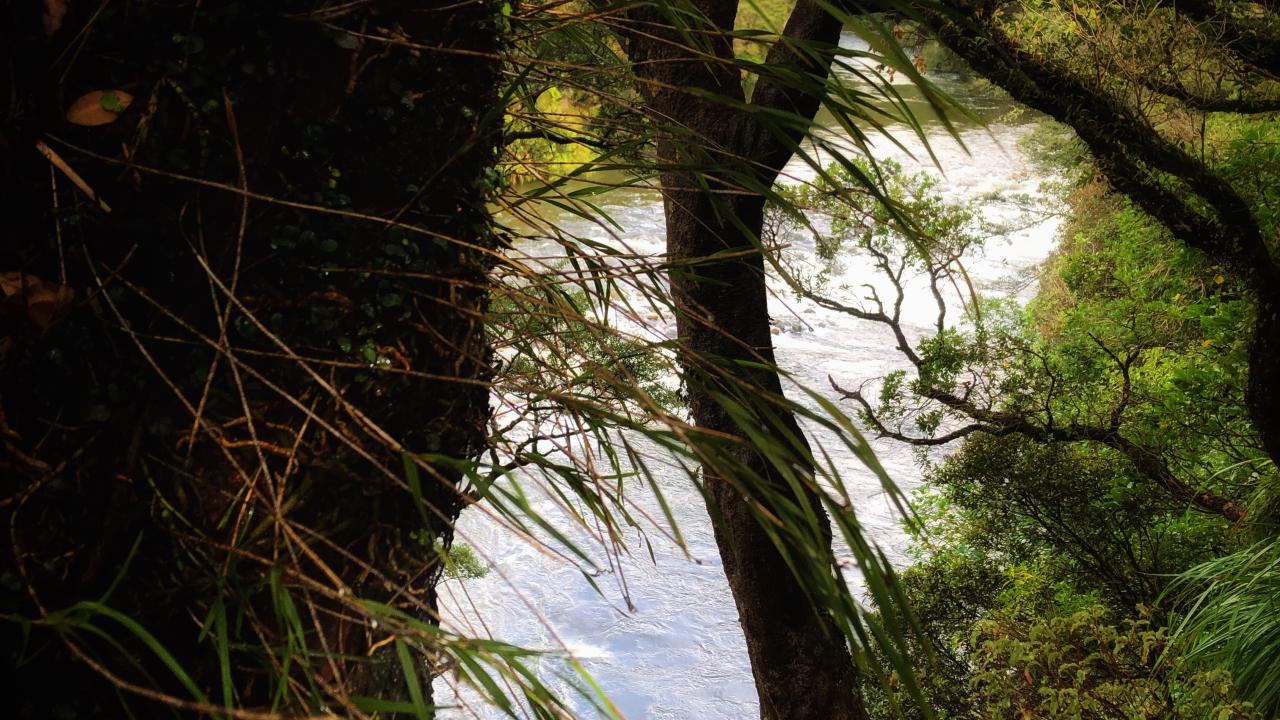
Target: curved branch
<point>1242,105</point>
<point>884,431</point>
<point>1155,468</point>
<point>1000,423</point>
<point>1127,149</point>
<point>904,346</point>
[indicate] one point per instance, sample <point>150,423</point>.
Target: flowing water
<point>678,651</point>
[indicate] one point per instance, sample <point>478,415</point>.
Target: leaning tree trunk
<point>799,657</point>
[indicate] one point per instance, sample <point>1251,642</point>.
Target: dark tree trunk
<point>1264,369</point>
<point>799,657</point>
<point>268,148</point>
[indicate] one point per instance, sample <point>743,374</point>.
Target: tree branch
<point>1246,41</point>
<point>1003,422</point>
<point>552,136</point>
<point>793,82</point>
<point>1243,104</point>
<point>884,431</point>
<point>1125,146</point>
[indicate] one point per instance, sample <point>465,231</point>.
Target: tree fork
<point>799,657</point>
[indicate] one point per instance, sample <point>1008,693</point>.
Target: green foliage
<point>568,99</point>
<point>1016,574</point>
<point>1118,284</point>
<point>1037,557</point>
<point>905,218</point>
<point>1083,664</point>
<point>462,562</point>
<point>1246,151</point>
<point>1076,512</point>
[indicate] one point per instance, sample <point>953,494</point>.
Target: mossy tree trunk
<point>209,391</point>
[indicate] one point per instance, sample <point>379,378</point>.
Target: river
<point>678,651</point>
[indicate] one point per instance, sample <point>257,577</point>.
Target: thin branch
<point>883,431</point>
<point>553,136</point>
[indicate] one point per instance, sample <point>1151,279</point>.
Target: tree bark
<point>714,215</point>
<point>200,412</point>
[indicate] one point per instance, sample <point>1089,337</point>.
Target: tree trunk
<point>1264,369</point>
<point>239,347</point>
<point>799,657</point>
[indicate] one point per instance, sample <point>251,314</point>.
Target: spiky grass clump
<point>1233,619</point>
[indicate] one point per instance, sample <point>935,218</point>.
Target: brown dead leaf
<point>43,302</point>
<point>100,107</point>
<point>54,12</point>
